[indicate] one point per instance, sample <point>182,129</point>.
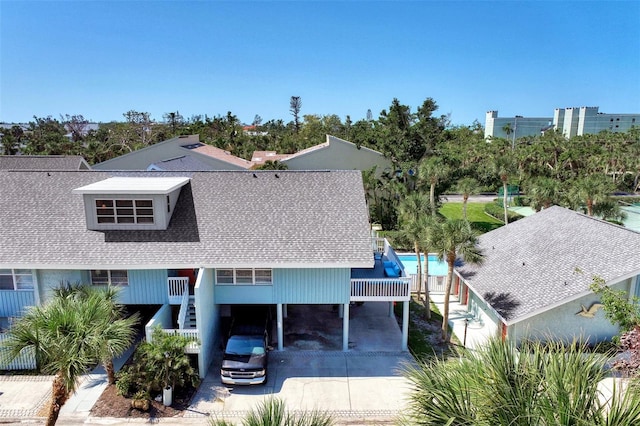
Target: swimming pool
<point>411,266</point>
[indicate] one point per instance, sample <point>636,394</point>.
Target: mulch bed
<point>110,404</point>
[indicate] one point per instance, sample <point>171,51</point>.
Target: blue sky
<point>101,59</point>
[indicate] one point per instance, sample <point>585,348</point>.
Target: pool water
<point>411,266</point>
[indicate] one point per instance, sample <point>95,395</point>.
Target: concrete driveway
<point>361,386</point>
<point>355,387</point>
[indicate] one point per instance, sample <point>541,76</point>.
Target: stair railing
<point>184,306</point>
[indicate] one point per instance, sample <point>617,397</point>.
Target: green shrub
<point>158,364</point>
<point>124,383</point>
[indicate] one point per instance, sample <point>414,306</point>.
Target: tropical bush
<point>540,384</point>
<point>272,412</point>
<point>157,365</point>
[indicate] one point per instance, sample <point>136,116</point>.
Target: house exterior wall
<point>207,318</point>
<point>13,302</point>
<point>483,314</point>
<point>564,324</point>
<point>146,286</point>
<point>319,286</point>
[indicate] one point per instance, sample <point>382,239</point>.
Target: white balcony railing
<point>190,333</point>
<point>380,289</point>
<point>177,286</point>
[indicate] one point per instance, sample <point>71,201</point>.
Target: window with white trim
<point>16,279</point>
<point>244,276</point>
<point>109,277</point>
<point>124,211</point>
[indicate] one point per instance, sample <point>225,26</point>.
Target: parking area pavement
<point>23,397</point>
<point>366,386</point>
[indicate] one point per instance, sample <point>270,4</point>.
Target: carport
<point>372,327</point>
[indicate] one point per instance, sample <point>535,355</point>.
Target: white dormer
<point>131,202</point>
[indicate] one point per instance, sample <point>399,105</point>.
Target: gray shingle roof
<point>540,261</point>
<point>42,162</point>
<point>276,219</point>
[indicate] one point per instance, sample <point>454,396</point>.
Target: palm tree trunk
<point>59,396</point>
<point>447,290</point>
<point>427,298</point>
<point>465,198</point>
<point>504,200</point>
<point>432,198</point>
<point>111,371</point>
<point>417,251</point>
<point>589,206</point>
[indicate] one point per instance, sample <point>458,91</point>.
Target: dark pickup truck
<point>245,355</point>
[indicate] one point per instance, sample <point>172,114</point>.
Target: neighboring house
<point>43,162</point>
<point>187,153</point>
<point>534,282</point>
<point>337,154</point>
<point>153,156</point>
<point>570,121</point>
<point>189,246</point>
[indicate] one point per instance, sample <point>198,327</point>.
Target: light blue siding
<point>207,318</point>
<point>49,279</point>
<point>245,294</point>
<point>12,302</point>
<point>319,286</point>
<point>309,286</point>
<point>146,287</point>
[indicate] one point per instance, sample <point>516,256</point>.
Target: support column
<point>340,311</point>
<point>391,309</point>
<point>405,325</point>
<point>345,327</point>
<point>279,326</point>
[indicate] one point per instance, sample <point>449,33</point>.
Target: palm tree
<point>543,192</point>
<point>452,238</point>
<point>69,336</point>
<point>591,190</point>
<point>116,338</point>
<point>413,213</point>
<point>505,167</point>
<point>466,186</point>
<point>433,171</point>
<point>538,384</point>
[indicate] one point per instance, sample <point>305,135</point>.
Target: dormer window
<point>124,211</point>
<point>131,202</point>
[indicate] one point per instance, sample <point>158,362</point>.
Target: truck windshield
<point>245,345</point>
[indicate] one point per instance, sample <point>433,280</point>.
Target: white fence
<point>437,283</point>
<point>191,334</point>
<point>25,361</point>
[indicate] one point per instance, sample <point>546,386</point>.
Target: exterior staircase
<point>190,321</point>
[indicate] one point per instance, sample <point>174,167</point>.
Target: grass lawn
<point>475,214</point>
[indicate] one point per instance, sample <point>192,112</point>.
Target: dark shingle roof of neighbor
<point>275,219</point>
<point>549,258</point>
<point>42,162</point>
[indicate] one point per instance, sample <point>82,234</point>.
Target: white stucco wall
<point>562,323</point>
